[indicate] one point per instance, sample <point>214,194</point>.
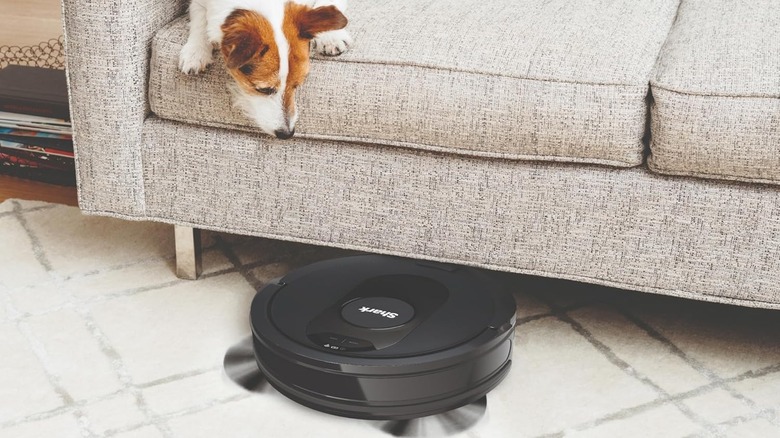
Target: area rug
<point>98,338</point>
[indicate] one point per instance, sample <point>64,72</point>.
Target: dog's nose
<point>284,134</point>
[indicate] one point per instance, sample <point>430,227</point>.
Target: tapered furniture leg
<point>189,261</point>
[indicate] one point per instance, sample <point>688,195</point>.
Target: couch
<point>627,143</point>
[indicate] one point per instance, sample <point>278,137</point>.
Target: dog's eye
<point>267,91</point>
<point>246,69</point>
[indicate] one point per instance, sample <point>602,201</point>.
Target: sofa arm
<point>107,51</point>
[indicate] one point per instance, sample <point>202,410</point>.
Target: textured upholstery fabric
<point>107,46</point>
<point>717,92</point>
<point>566,81</point>
<point>694,238</point>
<point>556,80</point>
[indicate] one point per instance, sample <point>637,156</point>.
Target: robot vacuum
<point>386,338</point>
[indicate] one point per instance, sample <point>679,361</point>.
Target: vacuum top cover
<point>377,306</point>
<point>383,337</point>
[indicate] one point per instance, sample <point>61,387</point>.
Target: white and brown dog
<point>265,45</point>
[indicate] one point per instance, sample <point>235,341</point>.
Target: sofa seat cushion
<point>716,90</point>
<point>555,80</point>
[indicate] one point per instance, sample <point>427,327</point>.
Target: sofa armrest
<point>107,52</point>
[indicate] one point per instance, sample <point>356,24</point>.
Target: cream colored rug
<point>98,338</point>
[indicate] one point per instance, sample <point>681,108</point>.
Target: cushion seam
<point>662,170</point>
<point>655,85</point>
<point>162,37</point>
<point>482,73</point>
<point>426,147</point>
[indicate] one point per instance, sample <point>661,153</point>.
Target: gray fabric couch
<point>627,143</point>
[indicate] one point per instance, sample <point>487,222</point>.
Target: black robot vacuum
<point>379,337</point>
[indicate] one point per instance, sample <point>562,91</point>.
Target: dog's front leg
<point>334,42</point>
<point>196,54</point>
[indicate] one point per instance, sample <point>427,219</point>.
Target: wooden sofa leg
<point>189,261</point>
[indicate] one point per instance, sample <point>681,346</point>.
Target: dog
<point>265,45</point>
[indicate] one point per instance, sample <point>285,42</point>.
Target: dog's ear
<point>310,21</point>
<point>241,38</point>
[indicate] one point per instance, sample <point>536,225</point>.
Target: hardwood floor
<point>24,23</point>
<point>18,188</point>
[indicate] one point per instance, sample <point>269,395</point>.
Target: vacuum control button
<point>336,342</point>
<point>353,344</point>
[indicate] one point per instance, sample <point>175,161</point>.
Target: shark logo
<point>381,312</point>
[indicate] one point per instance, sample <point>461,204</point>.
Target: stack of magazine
<point>35,132</point>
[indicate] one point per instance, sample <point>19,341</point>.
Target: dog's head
<point>269,60</point>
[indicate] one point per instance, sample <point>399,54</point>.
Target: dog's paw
<point>332,43</point>
<point>194,58</point>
